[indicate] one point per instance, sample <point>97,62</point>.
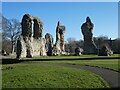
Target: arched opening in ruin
<point>32,28</point>
<point>36,29</point>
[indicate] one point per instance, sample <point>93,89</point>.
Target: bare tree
<point>10,30</point>
<point>71,44</point>
<point>101,40</point>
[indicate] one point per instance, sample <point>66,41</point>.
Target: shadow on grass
<point>61,88</point>
<point>12,61</point>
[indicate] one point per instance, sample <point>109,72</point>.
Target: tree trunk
<point>13,46</point>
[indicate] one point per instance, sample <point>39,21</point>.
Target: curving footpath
<point>110,76</point>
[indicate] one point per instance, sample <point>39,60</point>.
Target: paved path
<point>110,76</point>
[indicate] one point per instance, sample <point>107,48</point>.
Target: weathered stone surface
<point>42,47</point>
<point>59,45</point>
<point>38,28</point>
<point>78,51</point>
<point>104,51</point>
<point>49,44</point>
<point>26,25</point>
<point>28,45</point>
<point>89,46</point>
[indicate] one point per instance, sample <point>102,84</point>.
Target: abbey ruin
<point>87,31</point>
<point>32,43</point>
<point>59,45</point>
<point>89,46</point>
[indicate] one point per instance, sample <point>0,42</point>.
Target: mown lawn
<point>42,72</point>
<point>44,75</point>
<point>72,57</point>
<point>108,62</point>
<point>111,64</point>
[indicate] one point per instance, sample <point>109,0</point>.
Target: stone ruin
<point>3,52</point>
<point>89,46</point>
<point>78,51</point>
<point>104,51</point>
<point>58,48</point>
<point>30,42</point>
<point>49,44</point>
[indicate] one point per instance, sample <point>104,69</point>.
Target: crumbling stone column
<point>59,45</point>
<point>27,33</point>
<point>105,51</point>
<point>49,44</point>
<point>87,31</point>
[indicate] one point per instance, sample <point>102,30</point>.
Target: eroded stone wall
<point>28,45</point>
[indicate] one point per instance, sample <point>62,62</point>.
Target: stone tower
<point>49,44</point>
<point>59,45</point>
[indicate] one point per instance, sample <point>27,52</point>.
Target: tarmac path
<point>112,77</point>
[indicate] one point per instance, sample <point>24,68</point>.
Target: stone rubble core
<point>29,45</point>
<point>49,44</point>
<point>58,48</point>
<point>105,51</point>
<point>89,46</point>
<point>78,51</point>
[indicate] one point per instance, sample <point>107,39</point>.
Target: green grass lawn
<point>44,75</point>
<point>107,62</point>
<point>71,57</point>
